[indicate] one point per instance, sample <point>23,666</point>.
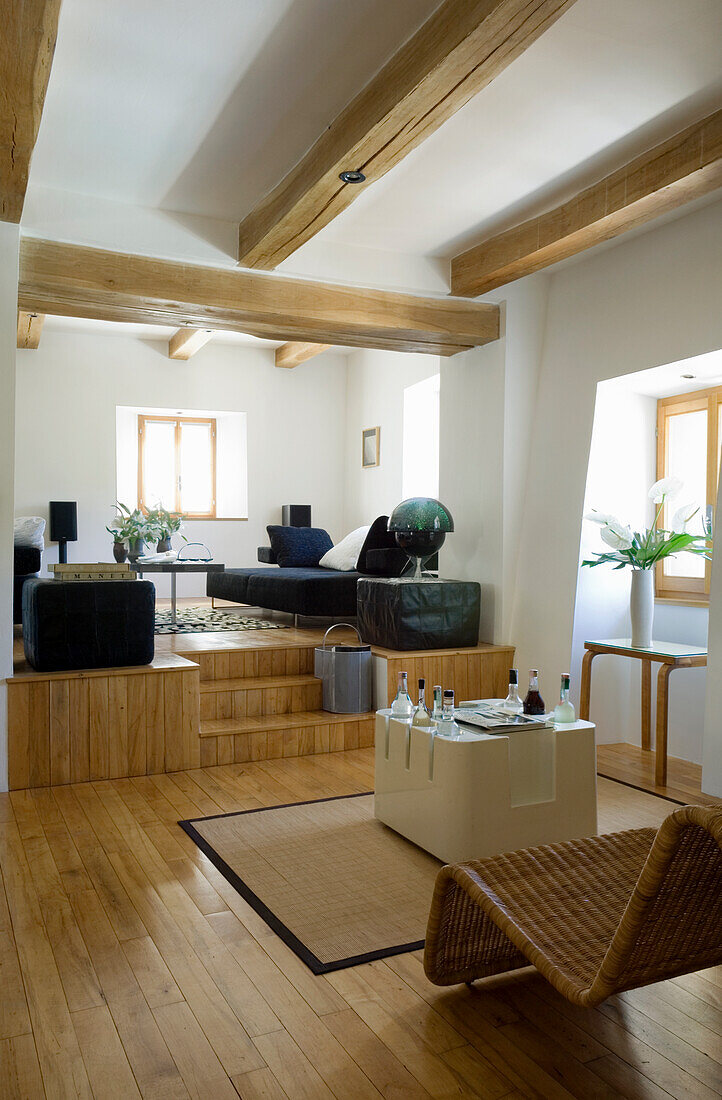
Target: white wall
<point>67,393</point>
<point>649,300</point>
<point>622,466</point>
<point>375,396</point>
<point>488,405</point>
<point>9,241</point>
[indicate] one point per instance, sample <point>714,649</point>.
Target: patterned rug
<point>202,620</point>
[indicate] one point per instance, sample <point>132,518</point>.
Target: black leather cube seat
<point>88,624</point>
<point>430,614</point>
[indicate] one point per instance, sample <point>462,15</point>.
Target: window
<point>420,470</point>
<point>689,431</point>
<point>177,464</point>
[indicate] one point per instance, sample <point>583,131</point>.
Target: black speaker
<point>63,525</point>
<point>296,515</point>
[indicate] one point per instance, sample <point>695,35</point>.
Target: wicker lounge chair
<point>594,916</point>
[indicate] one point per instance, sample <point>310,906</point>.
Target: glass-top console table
<point>669,655</point>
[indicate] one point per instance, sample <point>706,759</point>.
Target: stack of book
<point>94,571</point>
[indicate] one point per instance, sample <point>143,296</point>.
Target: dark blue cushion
<point>298,547</point>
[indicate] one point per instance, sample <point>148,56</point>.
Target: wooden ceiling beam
<point>683,168</point>
<point>187,341</point>
<point>27,43</point>
<point>87,282</point>
<point>460,49</point>
<point>30,325</point>
<point>290,355</point>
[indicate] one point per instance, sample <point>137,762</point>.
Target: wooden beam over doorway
<point>87,282</point>
<point>30,326</point>
<point>290,355</point>
<point>187,341</point>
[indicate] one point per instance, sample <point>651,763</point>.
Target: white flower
<point>617,536</point>
<point>665,489</point>
<point>682,516</point>
<point>602,518</point>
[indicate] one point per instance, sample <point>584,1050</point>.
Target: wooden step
<point>224,726</point>
<point>252,696</point>
<point>233,664</point>
<point>256,683</point>
<point>238,740</point>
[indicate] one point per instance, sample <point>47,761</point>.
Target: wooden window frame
<point>143,419</point>
<point>693,590</point>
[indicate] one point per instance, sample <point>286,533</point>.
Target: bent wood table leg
<point>646,705</point>
<point>585,694</point>
<point>660,742</point>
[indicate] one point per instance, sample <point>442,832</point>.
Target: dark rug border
<point>644,790</point>
<point>304,953</point>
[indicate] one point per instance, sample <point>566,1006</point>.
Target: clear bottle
<point>438,706</point>
<point>447,727</point>
<point>533,703</point>
<point>422,716</point>
<point>564,710</point>
<point>513,704</point>
<point>402,707</point>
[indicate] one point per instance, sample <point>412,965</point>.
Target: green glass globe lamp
<point>420,526</point>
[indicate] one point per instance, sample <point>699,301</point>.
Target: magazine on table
<point>490,716</point>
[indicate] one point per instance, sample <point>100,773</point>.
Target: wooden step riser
<point>289,661</point>
<point>241,748</point>
<point>252,702</point>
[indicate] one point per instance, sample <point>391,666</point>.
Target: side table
<point>669,655</point>
<point>402,614</point>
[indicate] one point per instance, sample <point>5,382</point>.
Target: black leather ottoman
<point>88,624</point>
<point>401,614</point>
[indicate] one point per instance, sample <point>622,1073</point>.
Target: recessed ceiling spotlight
<point>690,376</point>
<point>352,177</point>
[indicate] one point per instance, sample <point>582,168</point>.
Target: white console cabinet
<point>485,793</point>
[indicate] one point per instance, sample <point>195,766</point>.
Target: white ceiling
<point>199,108</point>
<point>145,332</point>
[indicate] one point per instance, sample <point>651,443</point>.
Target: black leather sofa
<point>26,564</point>
<point>309,590</point>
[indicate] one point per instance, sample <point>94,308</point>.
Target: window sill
<point>216,519</point>
<point>681,601</point>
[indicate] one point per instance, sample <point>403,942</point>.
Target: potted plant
<point>641,550</point>
<point>135,528</point>
<point>120,550</point>
<point>167,524</point>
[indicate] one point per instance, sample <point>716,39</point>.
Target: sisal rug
<point>334,883</point>
<point>200,620</point>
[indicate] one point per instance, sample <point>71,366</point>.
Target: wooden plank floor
<point>635,766</point>
<point>129,967</point>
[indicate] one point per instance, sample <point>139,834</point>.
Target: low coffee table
<point>174,568</point>
<point>485,793</point>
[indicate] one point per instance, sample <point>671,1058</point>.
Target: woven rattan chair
<point>594,916</point>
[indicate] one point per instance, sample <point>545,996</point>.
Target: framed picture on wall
<point>370,447</point>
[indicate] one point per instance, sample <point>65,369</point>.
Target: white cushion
<point>344,555</point>
<point>29,531</point>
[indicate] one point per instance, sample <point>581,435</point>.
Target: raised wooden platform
<point>210,699</point>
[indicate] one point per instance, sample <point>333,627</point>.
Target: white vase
<point>641,607</point>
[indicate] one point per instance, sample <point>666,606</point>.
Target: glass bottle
<point>402,707</point>
<point>447,727</point>
<point>422,717</point>
<point>564,710</point>
<point>437,709</point>
<point>513,704</point>
<point>533,703</point>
